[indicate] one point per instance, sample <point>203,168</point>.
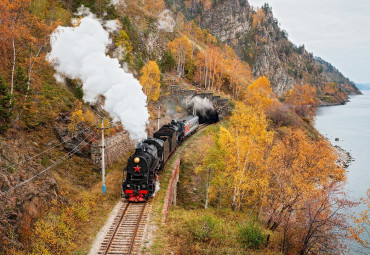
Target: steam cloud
<point>202,105</point>
<point>79,53</point>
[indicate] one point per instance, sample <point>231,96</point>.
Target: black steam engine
<point>151,155</point>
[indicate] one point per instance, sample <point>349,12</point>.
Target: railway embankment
<point>159,208</point>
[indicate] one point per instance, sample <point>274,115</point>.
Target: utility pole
<point>103,155</point>
<point>159,116</point>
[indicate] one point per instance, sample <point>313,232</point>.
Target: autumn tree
<point>318,224</point>
<point>150,80</point>
<point>76,117</point>
<point>213,169</point>
<point>361,230</point>
<point>24,36</point>
<point>122,41</point>
<point>331,89</point>
<point>180,21</point>
<point>155,6</point>
<point>182,51</point>
<point>259,93</point>
<point>303,99</point>
<point>258,17</point>
<point>304,198</point>
<point>246,141</point>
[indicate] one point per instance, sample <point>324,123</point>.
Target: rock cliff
<point>256,37</point>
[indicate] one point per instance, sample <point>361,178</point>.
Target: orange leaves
<point>23,37</point>
<point>361,231</point>
<point>258,18</point>
<point>182,49</point>
<point>303,99</point>
<point>217,67</point>
<point>155,6</point>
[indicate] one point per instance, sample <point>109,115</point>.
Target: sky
<point>336,30</point>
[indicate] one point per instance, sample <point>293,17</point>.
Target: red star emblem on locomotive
<point>137,168</point>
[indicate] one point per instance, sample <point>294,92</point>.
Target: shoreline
<point>344,158</point>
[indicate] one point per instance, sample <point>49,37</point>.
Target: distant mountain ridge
<point>256,37</point>
<point>363,86</point>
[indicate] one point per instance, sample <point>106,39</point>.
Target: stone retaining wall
<point>116,147</point>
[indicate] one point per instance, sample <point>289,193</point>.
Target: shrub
<point>281,115</point>
<point>79,93</point>
<point>251,235</point>
<point>204,228</point>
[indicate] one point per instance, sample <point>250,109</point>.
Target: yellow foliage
<point>89,117</point>
<point>259,94</point>
<point>54,232</point>
<point>182,50</point>
<point>123,41</point>
<point>150,80</point>
<point>245,142</point>
<point>76,117</point>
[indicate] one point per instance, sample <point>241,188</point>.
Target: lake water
<point>351,124</point>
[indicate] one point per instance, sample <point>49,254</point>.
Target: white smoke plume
<point>201,105</point>
<point>80,53</point>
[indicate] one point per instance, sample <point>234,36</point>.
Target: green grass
<point>191,229</point>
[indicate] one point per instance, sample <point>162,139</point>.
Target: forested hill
<point>333,74</point>
<point>255,35</point>
<point>57,89</point>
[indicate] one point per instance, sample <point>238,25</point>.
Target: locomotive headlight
<point>128,185</point>
<point>143,186</point>
<point>137,160</point>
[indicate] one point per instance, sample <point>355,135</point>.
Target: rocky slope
<point>257,38</point>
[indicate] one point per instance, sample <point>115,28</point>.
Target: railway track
<point>125,235</point>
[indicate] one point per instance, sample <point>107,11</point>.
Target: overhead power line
<point>49,149</point>
<point>72,152</point>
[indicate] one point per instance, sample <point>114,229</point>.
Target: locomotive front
<point>140,180</point>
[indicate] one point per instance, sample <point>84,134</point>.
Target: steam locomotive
<point>151,155</point>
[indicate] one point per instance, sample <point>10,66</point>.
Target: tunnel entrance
<point>202,107</point>
<point>209,116</point>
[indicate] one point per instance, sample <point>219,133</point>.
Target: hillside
<point>332,74</point>
<point>118,64</point>
<point>256,37</point>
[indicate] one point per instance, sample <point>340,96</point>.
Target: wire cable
<point>72,152</point>
<point>28,159</point>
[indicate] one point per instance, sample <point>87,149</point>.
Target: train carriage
<point>191,124</point>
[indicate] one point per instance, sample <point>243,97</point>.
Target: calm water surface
<point>351,124</point>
